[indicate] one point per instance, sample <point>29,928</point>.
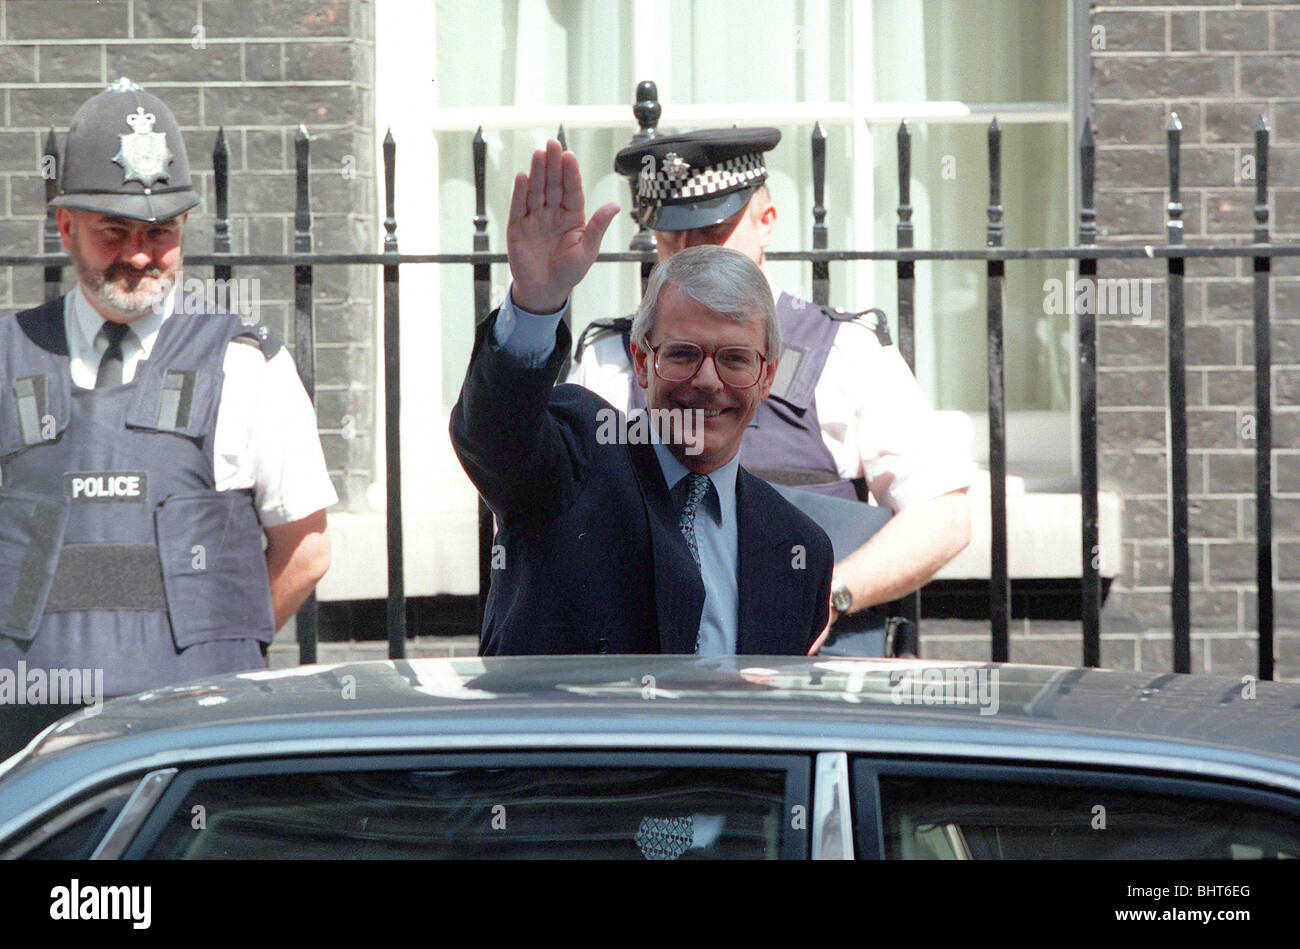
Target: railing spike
<point>646,110</point>
<point>221,185</point>
<point>302,205</point>
<point>390,183</point>
<point>821,270</point>
<point>52,243</point>
<point>1261,180</point>
<point>1087,175</point>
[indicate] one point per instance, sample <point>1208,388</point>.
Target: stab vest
<point>116,550</point>
<point>784,442</point>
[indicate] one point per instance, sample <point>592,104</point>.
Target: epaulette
<point>873,319</point>
<point>597,328</point>
<point>261,336</point>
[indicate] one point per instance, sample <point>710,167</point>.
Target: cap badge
<point>144,154</point>
<point>676,168</point>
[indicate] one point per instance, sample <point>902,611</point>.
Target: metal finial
<point>390,181</point>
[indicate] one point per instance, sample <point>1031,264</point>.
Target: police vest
<point>116,550</point>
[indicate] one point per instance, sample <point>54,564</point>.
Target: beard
<point>125,289</point>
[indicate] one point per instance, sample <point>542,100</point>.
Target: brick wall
<point>258,68</point>
<point>1218,65</point>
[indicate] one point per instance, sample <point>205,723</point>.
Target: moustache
<point>123,270</point>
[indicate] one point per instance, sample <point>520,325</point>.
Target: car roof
<point>1247,715</point>
<point>907,706</point>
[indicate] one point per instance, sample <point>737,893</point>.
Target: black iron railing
<point>1087,255</point>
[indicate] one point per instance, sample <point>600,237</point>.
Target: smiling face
<point>729,410</point>
<point>126,267</point>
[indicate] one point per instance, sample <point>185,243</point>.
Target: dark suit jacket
<point>593,558</point>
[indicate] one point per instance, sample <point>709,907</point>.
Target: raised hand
<point>549,241</point>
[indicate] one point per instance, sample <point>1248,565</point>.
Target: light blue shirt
<point>527,337</point>
<point>718,540</point>
<point>530,339</point>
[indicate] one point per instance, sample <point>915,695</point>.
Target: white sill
<point>1044,536</point>
<point>441,546</point>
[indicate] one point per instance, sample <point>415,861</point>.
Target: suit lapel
<point>679,590</point>
<point>764,599</point>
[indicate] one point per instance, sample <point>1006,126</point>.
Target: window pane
<point>77,830</point>
<point>790,180</point>
<point>950,201</point>
<point>970,50</point>
<point>608,290</point>
<point>757,51</point>
<point>530,52</point>
<point>484,813</point>
<point>928,819</point>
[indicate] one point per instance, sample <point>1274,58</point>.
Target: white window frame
<point>1041,431</point>
<point>406,101</point>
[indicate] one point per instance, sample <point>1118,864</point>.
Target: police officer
<point>845,412</point>
<point>149,443</point>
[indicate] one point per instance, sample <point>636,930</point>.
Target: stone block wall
<point>259,68</point>
<point>1219,66</point>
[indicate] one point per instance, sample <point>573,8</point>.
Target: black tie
<point>110,367</point>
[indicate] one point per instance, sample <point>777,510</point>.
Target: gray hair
<point>722,279</point>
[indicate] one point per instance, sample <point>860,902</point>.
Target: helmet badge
<point>144,154</point>
<point>676,168</point>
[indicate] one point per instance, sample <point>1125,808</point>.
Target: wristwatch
<point>841,597</point>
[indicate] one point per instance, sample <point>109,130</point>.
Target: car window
<point>929,819</point>
<point>542,811</point>
<point>75,831</point>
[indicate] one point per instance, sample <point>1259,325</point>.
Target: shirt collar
<point>721,501</point>
<point>89,322</point>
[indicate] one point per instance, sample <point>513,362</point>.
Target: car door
<point>606,805</point>
<point>925,810</point>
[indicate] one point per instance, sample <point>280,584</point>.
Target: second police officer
<point>149,443</point>
<point>845,414</point>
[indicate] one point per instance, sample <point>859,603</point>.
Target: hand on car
<point>549,241</point>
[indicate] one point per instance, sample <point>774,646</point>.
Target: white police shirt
<point>875,420</point>
<point>265,436</point>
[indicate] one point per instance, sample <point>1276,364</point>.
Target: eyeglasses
<point>737,366</point>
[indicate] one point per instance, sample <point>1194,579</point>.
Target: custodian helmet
<point>124,156</point>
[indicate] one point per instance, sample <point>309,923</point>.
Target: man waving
<point>619,545</point>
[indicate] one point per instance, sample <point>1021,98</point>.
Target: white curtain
<point>532,54</point>
<point>994,51</point>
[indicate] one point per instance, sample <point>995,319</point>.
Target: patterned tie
<point>697,485</point>
<point>110,367</point>
<point>664,838</point>
<point>667,838</point>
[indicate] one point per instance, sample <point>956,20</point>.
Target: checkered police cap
<point>696,179</point>
<point>675,180</point>
<point>124,156</point>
